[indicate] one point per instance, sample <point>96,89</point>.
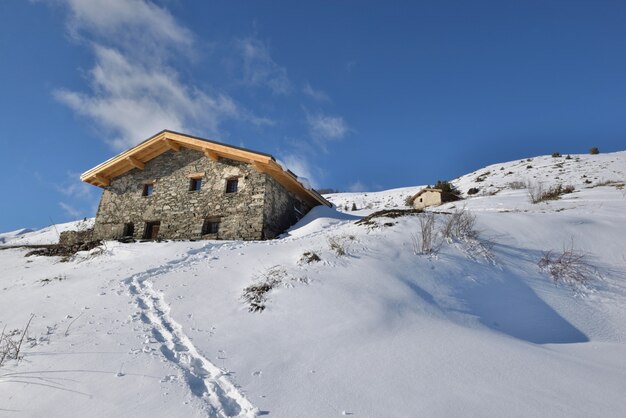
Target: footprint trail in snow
<point>204,379</point>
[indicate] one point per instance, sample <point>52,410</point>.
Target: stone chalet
<point>177,186</point>
<point>431,197</point>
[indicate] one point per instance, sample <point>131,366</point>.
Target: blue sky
<point>354,95</point>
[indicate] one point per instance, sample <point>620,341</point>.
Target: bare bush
<point>309,257</point>
<point>426,241</point>
<point>460,224</point>
<point>255,295</point>
<point>517,185</point>
<point>11,343</point>
<point>538,193</point>
<point>569,266</point>
<point>336,246</point>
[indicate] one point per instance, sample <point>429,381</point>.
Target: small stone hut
<point>177,186</point>
<point>431,197</point>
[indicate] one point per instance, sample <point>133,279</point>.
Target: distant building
<point>176,186</point>
<point>431,197</point>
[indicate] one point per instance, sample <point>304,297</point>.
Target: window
<point>148,189</point>
<point>129,229</point>
<point>152,230</point>
<point>195,185</point>
<point>231,185</point>
<point>210,226</point>
<point>421,200</point>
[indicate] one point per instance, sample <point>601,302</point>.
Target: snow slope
<point>48,235</point>
<point>161,329</point>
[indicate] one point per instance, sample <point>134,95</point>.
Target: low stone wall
<point>69,238</point>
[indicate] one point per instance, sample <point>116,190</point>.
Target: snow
<point>48,235</point>
<point>161,329</point>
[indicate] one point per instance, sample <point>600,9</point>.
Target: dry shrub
<point>11,343</point>
<point>517,185</point>
<point>460,224</point>
<point>569,266</point>
<point>538,193</point>
<point>255,295</point>
<point>426,242</point>
<point>309,257</point>
<point>336,246</point>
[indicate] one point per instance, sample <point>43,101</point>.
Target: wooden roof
<point>137,156</point>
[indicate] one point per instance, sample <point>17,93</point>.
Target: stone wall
<point>282,208</point>
<point>67,238</point>
<point>428,198</point>
<point>182,212</point>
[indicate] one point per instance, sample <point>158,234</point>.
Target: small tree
<point>556,154</point>
<point>354,206</point>
<point>445,186</point>
<point>594,151</point>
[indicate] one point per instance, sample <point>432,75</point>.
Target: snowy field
<point>370,329</point>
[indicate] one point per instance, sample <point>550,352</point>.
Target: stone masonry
<point>261,208</point>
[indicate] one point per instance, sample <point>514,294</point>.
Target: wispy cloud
<point>325,127</point>
<point>75,188</point>
<point>134,90</point>
<point>259,69</point>
<point>136,25</point>
<point>315,94</point>
<point>70,210</point>
<point>134,100</point>
<point>357,186</point>
<point>301,167</point>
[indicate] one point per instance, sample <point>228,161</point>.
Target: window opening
<point>148,189</point>
<point>210,226</point>
<point>195,185</point>
<point>231,185</point>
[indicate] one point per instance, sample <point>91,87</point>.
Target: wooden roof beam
<point>105,181</point>
<point>135,163</point>
<point>174,146</point>
<point>211,154</point>
<point>261,168</point>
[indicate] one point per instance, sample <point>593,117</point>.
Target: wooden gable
<point>136,157</point>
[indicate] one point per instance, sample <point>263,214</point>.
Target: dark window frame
<point>210,226</point>
<point>148,189</point>
<point>195,184</point>
<point>232,185</point>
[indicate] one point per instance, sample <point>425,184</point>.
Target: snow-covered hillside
<point>355,322</point>
<point>48,235</point>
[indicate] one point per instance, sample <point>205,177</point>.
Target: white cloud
<point>357,186</point>
<point>71,211</point>
<point>75,188</point>
<point>325,127</point>
<point>318,95</point>
<point>134,101</point>
<point>259,69</point>
<point>300,167</point>
<point>134,90</point>
<point>128,24</point>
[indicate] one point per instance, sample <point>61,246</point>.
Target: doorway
<point>152,230</point>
